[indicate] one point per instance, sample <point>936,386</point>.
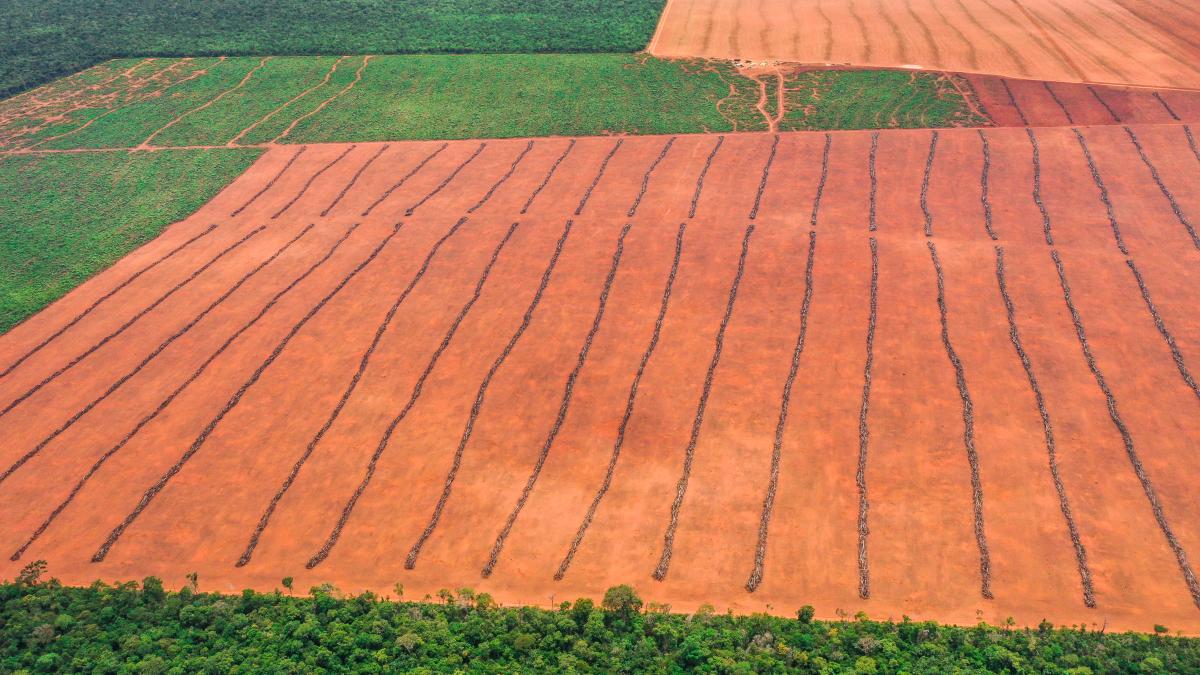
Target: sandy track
<point>1106,41</point>
<point>923,557</point>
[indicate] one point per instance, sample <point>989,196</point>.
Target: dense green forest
<point>132,628</point>
<point>50,38</point>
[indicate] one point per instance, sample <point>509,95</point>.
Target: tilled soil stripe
<point>864,431</point>
<point>587,194</point>
<point>968,416</point>
<point>364,362</point>
<point>270,183</point>
<point>933,141</point>
<point>629,406</point>
<point>549,174</point>
<point>1012,99</point>
<point>446,181</point>
<point>1081,562</point>
<point>760,551</point>
<point>311,179</point>
<point>1061,105</point>
<point>689,453</point>
<point>357,174</point>
<point>151,356</point>
<point>646,178</point>
<point>766,173</point>
<point>1135,461</point>
<point>134,319</point>
<point>178,390</point>
<point>1163,102</point>
<point>1103,190</point>
<point>420,165</point>
<point>1162,187</point>
<point>1112,113</point>
<point>1161,325</point>
<point>411,561</point>
<point>116,289</point>
<point>985,186</point>
<point>564,405</point>
<point>232,403</point>
<point>816,209</point>
<point>704,172</point>
<point>1037,187</point>
<point>507,174</point>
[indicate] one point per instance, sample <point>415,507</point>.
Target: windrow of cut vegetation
<point>128,627</point>
<point>218,101</point>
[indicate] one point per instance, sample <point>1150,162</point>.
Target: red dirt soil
<point>1142,42</point>
<point>1013,103</point>
<point>922,559</point>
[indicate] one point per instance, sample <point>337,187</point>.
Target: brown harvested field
<point>1012,102</point>
<point>1141,42</point>
<point>438,380</point>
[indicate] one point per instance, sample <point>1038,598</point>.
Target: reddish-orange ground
<point>1142,42</point>
<point>923,557</point>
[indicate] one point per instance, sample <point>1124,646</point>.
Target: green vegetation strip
<point>244,100</point>
<point>47,627</point>
<point>50,38</point>
<point>65,217</point>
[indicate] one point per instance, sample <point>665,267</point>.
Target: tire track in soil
<point>549,174</point>
<point>1014,335</point>
<point>587,194</point>
<point>968,416</point>
<point>760,551</point>
<point>619,443</point>
<point>357,77</point>
<point>646,178</point>
<point>205,105</point>
<point>762,184</point>
<point>1162,187</point>
<point>864,432</point>
<point>311,179</point>
<point>933,141</point>
<point>1114,414</point>
<point>984,186</point>
<point>332,69</point>
<point>1161,325</point>
<point>175,393</point>
<point>270,183</point>
<point>664,562</point>
<point>1061,105</point>
<point>821,183</point>
<point>232,403</point>
<point>1103,190</point>
<point>404,179</point>
<point>704,172</point>
<point>508,174</point>
<point>445,181</point>
<point>357,174</point>
<point>564,405</point>
<point>102,299</point>
<point>1037,187</point>
<point>352,386</point>
<point>411,561</point>
<point>125,326</point>
<point>41,445</point>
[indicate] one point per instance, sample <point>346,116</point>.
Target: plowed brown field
<point>1143,42</point>
<point>528,361</point>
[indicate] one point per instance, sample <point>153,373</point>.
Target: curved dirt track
<point>191,449</point>
<point>1137,42</point>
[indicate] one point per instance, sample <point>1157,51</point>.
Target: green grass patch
<point>65,217</point>
<point>50,38</point>
<point>45,627</point>
<point>873,99</point>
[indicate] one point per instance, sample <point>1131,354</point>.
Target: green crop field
<point>52,38</point>
<point>251,100</point>
<point>67,216</point>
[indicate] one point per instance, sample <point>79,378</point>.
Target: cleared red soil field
<point>1014,103</point>
<point>1142,42</point>
<point>544,368</point>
